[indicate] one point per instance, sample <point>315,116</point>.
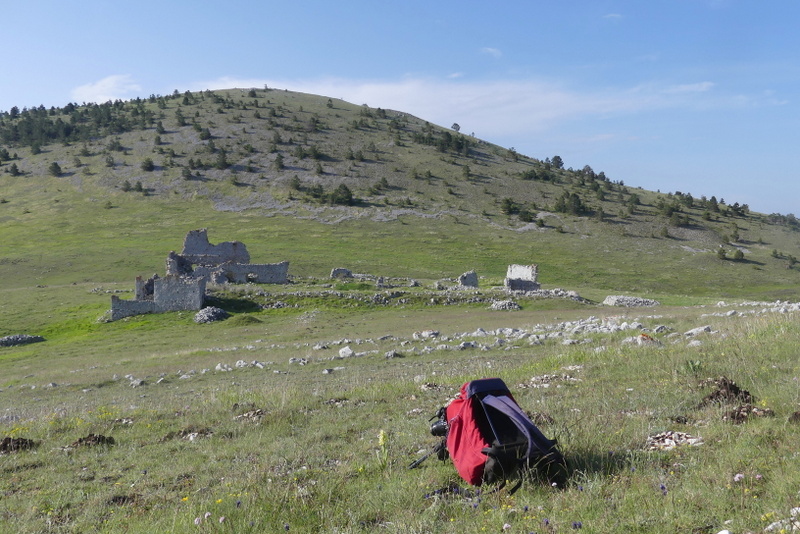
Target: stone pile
<point>210,314</point>
<point>19,339</point>
<point>504,305</point>
<point>628,302</point>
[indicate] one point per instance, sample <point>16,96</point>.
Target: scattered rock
<point>742,413</point>
<point>189,434</point>
<point>19,339</point>
<point>790,524</point>
<point>628,302</point>
<point>341,272</point>
<point>210,314</point>
<point>545,381</point>
<point>698,330</point>
<point>505,305</point>
<point>641,340</point>
<point>252,415</point>
<point>426,334</point>
<point>668,440</point>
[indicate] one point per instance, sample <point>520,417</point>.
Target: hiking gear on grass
<point>491,439</point>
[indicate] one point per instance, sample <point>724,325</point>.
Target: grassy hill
<point>292,443</point>
<point>429,201</point>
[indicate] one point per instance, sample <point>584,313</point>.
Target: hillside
<point>302,410</point>
<point>101,193</point>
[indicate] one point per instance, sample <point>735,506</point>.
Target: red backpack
<point>491,439</point>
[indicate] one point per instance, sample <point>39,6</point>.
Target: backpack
<point>491,440</point>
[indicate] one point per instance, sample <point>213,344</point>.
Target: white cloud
<point>700,87</point>
<point>612,16</point>
<point>498,109</point>
<point>494,52</point>
<point>114,87</point>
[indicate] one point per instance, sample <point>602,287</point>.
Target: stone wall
<point>242,273</point>
<point>171,293</point>
<point>184,286</point>
<point>223,263</point>
<point>468,279</point>
<point>197,250</point>
<point>522,278</point>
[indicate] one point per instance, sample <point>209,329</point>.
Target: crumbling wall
<point>341,272</point>
<point>260,273</point>
<point>197,250</point>
<point>171,293</point>
<point>128,308</point>
<point>184,286</point>
<point>177,264</point>
<point>175,293</point>
<point>522,277</point>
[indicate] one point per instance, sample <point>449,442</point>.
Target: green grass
<point>312,460</point>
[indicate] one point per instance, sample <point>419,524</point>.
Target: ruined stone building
<point>159,295</point>
<point>522,278</point>
<point>199,263</point>
<point>222,263</point>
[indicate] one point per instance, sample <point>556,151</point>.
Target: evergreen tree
<point>222,160</point>
<point>342,195</point>
<point>279,162</point>
<point>54,169</point>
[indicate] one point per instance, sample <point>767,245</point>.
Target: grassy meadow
<point>259,424</point>
<point>296,447</point>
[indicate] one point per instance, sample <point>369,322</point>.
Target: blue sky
<point>698,96</point>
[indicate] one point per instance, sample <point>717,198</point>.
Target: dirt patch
<point>122,500</point>
<point>252,415</point>
<point>189,434</point>
<point>726,392</point>
<point>9,445</point>
<point>743,413</point>
<point>92,440</point>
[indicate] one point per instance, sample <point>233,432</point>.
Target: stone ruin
<point>468,280</point>
<point>200,262</point>
<point>222,263</point>
<point>522,278</point>
<point>158,295</point>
